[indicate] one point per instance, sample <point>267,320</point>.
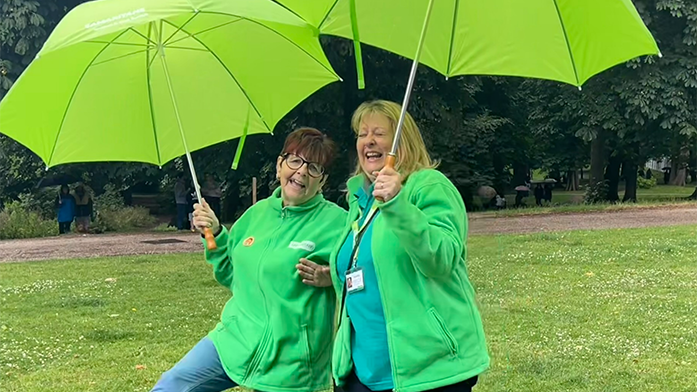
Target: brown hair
<point>312,144</point>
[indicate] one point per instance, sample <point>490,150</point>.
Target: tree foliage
<point>483,130</point>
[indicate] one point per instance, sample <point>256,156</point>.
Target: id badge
<point>354,280</point>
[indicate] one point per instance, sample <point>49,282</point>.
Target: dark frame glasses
<point>295,162</point>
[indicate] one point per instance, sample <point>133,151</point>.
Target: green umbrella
<point>149,81</point>
<point>563,40</point>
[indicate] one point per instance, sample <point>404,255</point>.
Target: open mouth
<point>373,156</point>
<point>296,184</point>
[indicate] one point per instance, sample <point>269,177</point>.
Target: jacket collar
<point>358,191</point>
<point>277,203</point>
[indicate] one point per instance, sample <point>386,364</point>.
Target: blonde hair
<point>412,155</point>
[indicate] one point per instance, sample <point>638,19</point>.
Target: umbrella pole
<point>391,159</point>
<point>207,232</point>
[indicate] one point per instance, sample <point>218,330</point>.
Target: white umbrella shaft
<point>410,84</point>
<point>181,128</point>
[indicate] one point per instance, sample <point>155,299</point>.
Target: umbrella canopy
<point>563,40</point>
<point>128,80</point>
<point>59,179</point>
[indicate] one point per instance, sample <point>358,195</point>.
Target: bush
<point>596,193</point>
<point>16,222</point>
<point>111,214</point>
<point>164,227</point>
<point>43,201</point>
<point>122,219</point>
<point>643,183</point>
<point>111,199</point>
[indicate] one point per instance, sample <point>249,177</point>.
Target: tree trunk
<point>612,175</point>
<point>597,158</point>
<point>630,175</point>
<point>572,180</point>
<point>678,173</point>
<point>678,177</point>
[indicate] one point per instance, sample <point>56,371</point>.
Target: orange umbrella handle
<point>389,162</point>
<point>210,239</point>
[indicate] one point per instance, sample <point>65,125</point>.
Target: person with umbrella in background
<point>400,270</point>
<point>548,192</point>
<point>65,209</point>
<point>521,192</point>
<point>539,194</point>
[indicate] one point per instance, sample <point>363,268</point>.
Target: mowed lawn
<point>576,311</point>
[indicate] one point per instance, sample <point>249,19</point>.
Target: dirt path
<point>653,217</point>
<point>78,246</point>
<point>82,246</point>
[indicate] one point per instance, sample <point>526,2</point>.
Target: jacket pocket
<point>442,329</point>
<point>341,352</point>
<point>306,348</point>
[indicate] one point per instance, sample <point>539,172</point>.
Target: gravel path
<point>82,246</point>
<point>650,217</point>
<point>79,246</point>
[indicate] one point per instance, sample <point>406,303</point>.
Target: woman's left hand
<point>314,274</point>
<point>388,183</point>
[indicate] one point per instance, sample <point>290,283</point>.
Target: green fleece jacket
<point>434,330</point>
<point>275,333</point>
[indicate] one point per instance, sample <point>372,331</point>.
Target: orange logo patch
<point>248,242</point>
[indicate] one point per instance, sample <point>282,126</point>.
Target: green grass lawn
<point>579,311</point>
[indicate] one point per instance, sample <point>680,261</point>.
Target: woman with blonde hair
<point>409,321</point>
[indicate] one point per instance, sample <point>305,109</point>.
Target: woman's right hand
<point>205,217</point>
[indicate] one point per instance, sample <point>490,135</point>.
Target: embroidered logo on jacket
<point>305,245</point>
<point>248,242</point>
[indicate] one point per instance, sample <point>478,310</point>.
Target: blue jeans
<point>199,371</point>
<point>181,215</point>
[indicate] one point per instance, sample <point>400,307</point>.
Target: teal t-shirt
<point>371,355</point>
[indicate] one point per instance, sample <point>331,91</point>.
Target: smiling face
<point>374,142</point>
<point>297,185</point>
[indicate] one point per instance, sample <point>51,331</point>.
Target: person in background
<point>539,195</point>
<point>65,206</point>
<point>83,208</point>
<point>548,193</point>
<point>500,202</point>
<point>212,192</point>
<point>180,197</point>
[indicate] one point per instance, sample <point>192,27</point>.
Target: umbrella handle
<point>389,162</point>
<point>210,239</point>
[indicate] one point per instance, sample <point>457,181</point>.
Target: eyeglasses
<point>295,162</point>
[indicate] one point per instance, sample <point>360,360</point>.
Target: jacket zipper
<point>256,358</point>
